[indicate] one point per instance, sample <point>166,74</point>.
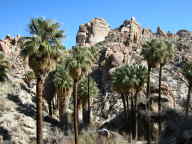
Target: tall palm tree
<point>78,64</point>
<point>85,95</point>
<point>152,54</point>
<point>63,83</point>
<point>4,67</point>
<point>167,53</point>
<point>42,50</point>
<point>187,72</point>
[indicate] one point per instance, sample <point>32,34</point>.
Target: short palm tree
<point>187,72</point>
<point>63,83</point>
<point>130,79</point>
<point>4,67</point>
<point>78,64</point>
<point>120,84</point>
<point>139,73</point>
<point>42,49</point>
<point>84,95</point>
<point>94,50</point>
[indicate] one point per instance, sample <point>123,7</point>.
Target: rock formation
<point>123,45</point>
<point>92,32</point>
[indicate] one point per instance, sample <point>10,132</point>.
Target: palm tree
<point>152,54</point>
<point>139,73</point>
<point>78,64</point>
<point>42,50</point>
<point>120,84</point>
<point>94,50</point>
<point>4,67</point>
<point>187,72</point>
<point>167,53</point>
<point>63,83</point>
<point>49,92</point>
<point>130,79</point>
<point>85,95</point>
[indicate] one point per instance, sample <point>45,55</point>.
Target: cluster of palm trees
<point>70,68</point>
<point>129,80</point>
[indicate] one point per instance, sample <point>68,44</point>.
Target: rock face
<point>92,32</point>
<point>7,45</point>
<point>11,47</point>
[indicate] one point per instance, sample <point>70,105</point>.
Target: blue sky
<point>169,14</point>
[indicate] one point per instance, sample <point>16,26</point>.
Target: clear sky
<point>169,14</point>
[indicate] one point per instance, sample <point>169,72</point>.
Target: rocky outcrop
<point>11,47</point>
<point>8,45</point>
<point>92,32</point>
<point>184,33</point>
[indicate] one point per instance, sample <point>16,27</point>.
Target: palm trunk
<point>136,120</point>
<point>61,101</point>
<point>78,109</point>
<point>124,105</point>
<point>132,119</point>
<point>159,100</point>
<point>188,101</point>
<point>85,114</point>
<point>127,117</point>
<point>63,115</point>
<point>50,105</point>
<point>89,103</point>
<point>75,111</point>
<point>148,105</point>
<point>39,117</point>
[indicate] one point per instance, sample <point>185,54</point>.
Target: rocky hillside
<point>117,46</point>
<point>123,45</point>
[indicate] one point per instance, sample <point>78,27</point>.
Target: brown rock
<point>92,32</point>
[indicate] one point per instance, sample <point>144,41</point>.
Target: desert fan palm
<point>42,50</point>
<point>129,79</point>
<point>63,83</point>
<point>79,64</point>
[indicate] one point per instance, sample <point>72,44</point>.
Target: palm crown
<point>43,48</point>
<point>62,79</point>
<point>79,62</point>
<point>83,86</point>
<point>152,52</point>
<point>157,52</point>
<point>129,77</point>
